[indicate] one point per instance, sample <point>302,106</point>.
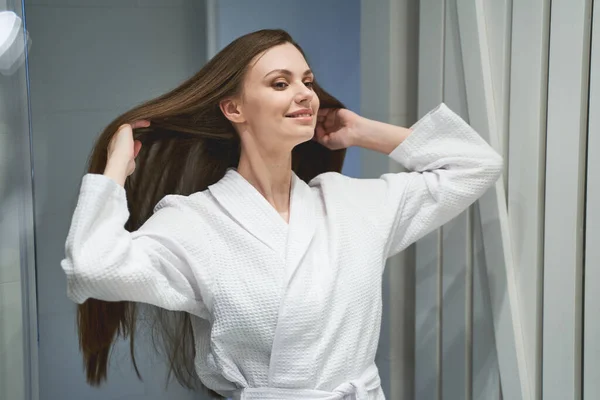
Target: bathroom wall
<point>90,61</point>
<point>13,231</point>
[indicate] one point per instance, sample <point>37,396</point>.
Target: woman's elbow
<point>494,166</point>
<point>75,292</point>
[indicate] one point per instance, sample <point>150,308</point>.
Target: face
<point>278,106</point>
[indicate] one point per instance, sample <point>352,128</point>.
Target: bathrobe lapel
<point>303,294</point>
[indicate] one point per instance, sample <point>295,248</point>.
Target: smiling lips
<point>303,117</point>
<point>304,113</point>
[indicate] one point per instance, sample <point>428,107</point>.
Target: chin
<point>303,138</point>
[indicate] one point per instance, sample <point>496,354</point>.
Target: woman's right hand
<point>122,151</point>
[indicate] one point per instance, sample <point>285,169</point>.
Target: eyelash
<point>309,84</point>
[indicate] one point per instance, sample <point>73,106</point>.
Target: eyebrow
<point>287,72</point>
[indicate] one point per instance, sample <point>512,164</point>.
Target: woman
<point>269,258</point>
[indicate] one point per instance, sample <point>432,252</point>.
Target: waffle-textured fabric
<point>280,310</point>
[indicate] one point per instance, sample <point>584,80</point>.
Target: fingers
<point>135,125</point>
<point>131,169</point>
<point>326,120</point>
<point>322,114</point>
<point>122,128</point>
<point>122,145</point>
<point>330,120</point>
<point>143,123</point>
<point>327,117</point>
<point>320,134</point>
<point>137,146</point>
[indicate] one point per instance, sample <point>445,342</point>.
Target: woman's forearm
<point>379,136</point>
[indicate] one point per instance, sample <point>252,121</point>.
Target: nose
<point>304,95</point>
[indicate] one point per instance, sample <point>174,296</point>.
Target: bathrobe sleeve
<point>156,264</point>
<point>450,166</point>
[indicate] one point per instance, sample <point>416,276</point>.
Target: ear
<point>232,111</point>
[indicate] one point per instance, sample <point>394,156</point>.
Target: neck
<point>270,173</point>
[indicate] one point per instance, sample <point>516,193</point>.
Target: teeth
<point>300,115</point>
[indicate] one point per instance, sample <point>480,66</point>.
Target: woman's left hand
<point>337,128</point>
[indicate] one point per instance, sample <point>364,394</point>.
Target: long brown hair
<point>189,146</point>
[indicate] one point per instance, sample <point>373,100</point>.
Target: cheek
<point>268,104</point>
<point>255,110</point>
<point>274,107</point>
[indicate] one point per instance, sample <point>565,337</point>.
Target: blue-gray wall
<point>91,60</point>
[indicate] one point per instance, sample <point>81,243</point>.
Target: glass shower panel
<point>18,348</point>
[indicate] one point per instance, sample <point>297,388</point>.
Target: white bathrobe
<point>280,311</point>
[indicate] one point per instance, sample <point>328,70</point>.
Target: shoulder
<point>366,197</point>
<point>336,184</point>
<point>181,209</point>
<point>330,179</point>
<point>184,203</point>
<point>345,193</point>
<point>184,219</point>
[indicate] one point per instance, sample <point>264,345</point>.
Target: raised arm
<point>164,263</point>
<point>452,166</point>
<point>155,264</point>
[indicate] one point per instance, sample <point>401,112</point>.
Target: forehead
<point>285,56</point>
